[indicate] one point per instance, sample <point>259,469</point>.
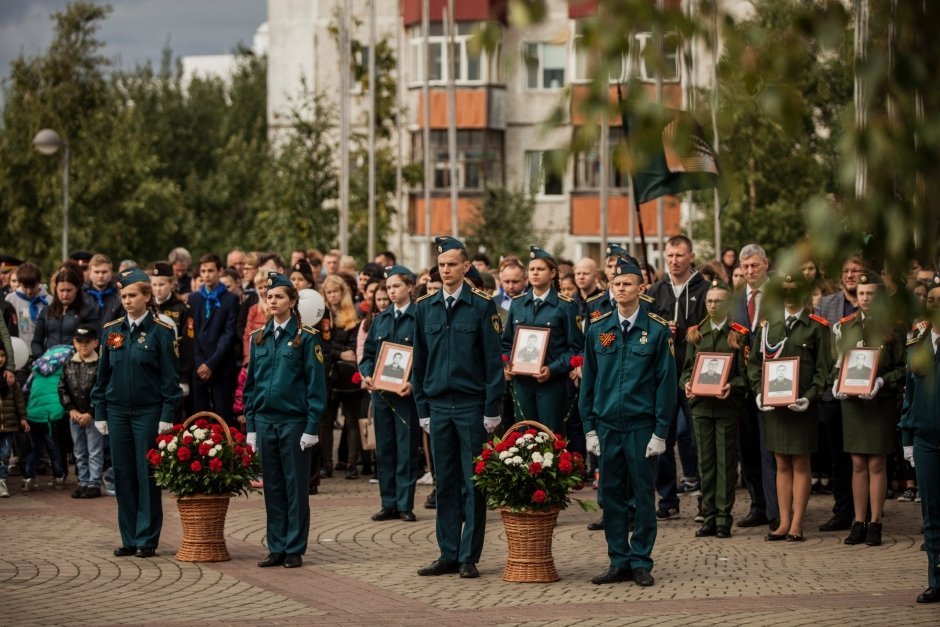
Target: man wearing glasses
<point>834,308</point>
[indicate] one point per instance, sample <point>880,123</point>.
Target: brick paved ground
<point>56,567</point>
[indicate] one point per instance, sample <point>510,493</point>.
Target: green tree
<point>502,223</point>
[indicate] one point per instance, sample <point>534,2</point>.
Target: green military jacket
<point>286,382</point>
<point>716,341</point>
<point>628,383</point>
<point>920,414</point>
<point>458,358</point>
<point>851,333</point>
<point>139,371</point>
<point>557,313</point>
<point>809,340</point>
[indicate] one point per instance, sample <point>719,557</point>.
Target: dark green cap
<point>536,252</point>
<point>131,276</point>
<point>276,279</point>
<point>446,242</point>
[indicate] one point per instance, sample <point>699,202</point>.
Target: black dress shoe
<point>79,492</point>
<point>326,472</point>
<point>597,525</point>
<point>431,501</point>
<point>408,516</point>
<point>313,490</point>
<point>124,551</point>
<point>613,574</point>
<point>930,595</point>
<point>386,513</point>
<point>753,520</point>
<point>293,561</point>
<point>439,567</point>
<point>836,523</point>
<point>795,537</point>
<point>706,530</point>
<point>775,537</point>
<point>723,531</point>
<point>273,559</point>
<point>874,534</point>
<point>469,571</point>
<point>773,523</point>
<point>857,535</point>
<point>145,552</point>
<point>642,577</point>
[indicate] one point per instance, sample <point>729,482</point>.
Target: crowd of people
<point>745,371</point>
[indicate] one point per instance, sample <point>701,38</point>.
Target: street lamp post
<point>48,142</point>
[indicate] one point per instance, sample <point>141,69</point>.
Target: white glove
<point>491,422</point>
<point>308,441</point>
<point>656,447</point>
<point>102,426</point>
<point>593,442</point>
<point>760,404</point>
<point>909,454</point>
<point>164,427</point>
<point>839,396</point>
<point>801,404</point>
<point>425,424</point>
<point>879,383</point>
<point>185,388</point>
<point>252,440</point>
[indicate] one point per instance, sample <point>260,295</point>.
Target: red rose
<point>577,456</point>
<point>505,359</point>
<point>215,465</point>
<point>576,361</point>
<point>238,437</point>
<point>535,468</point>
<point>531,432</point>
<point>560,444</point>
<point>204,448</point>
<point>539,496</point>
<point>183,453</point>
<point>177,428</point>
<point>480,467</point>
<point>356,378</point>
<point>196,466</point>
<point>502,446</point>
<point>565,456</point>
<point>202,423</point>
<point>246,461</point>
<point>486,454</point>
<point>565,467</point>
<point>187,439</point>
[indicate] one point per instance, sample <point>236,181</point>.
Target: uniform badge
<point>595,315</point>
<point>176,350</point>
<point>115,340</point>
<point>142,338</point>
<point>318,351</point>
<point>644,339</point>
<point>672,347</point>
<point>578,321</point>
<point>497,323</point>
<point>607,339</point>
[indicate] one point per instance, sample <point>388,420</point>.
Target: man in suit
<point>712,376</point>
<point>214,312</point>
<point>861,371</point>
<point>781,383</point>
<point>530,352</point>
<point>394,369</point>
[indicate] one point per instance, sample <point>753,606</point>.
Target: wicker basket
<point>529,536</point>
<point>203,516</point>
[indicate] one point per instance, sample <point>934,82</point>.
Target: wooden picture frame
<point>859,371</point>
<point>529,347</point>
<point>780,381</point>
<point>710,373</point>
<point>393,367</point>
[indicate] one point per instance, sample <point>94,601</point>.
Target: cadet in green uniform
<point>869,420</point>
<point>920,432</point>
<point>458,387</point>
<point>136,395</point>
<point>394,415</point>
<point>628,398</point>
<point>285,395</point>
<point>791,431</point>
<point>716,417</point>
<point>603,302</point>
<point>163,282</point>
<point>544,397</point>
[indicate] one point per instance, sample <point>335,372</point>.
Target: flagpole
<point>372,101</point>
<point>399,178</point>
<point>344,70</point>
<point>604,183</point>
<point>451,28</point>
<point>714,102</point>
<point>660,205</point>
<point>634,207</point>
<point>426,132</point>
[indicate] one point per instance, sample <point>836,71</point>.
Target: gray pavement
<point>56,567</point>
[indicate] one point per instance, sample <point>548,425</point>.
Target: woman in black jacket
<point>69,309</point>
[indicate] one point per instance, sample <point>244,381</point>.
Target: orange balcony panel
<point>440,214</point>
<point>586,216</point>
<point>464,10</point>
<point>471,108</point>
<point>672,99</point>
<point>587,8</point>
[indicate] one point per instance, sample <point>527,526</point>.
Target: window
<point>545,65</point>
<point>479,159</point>
<point>582,60</point>
<point>544,172</point>
<point>619,68</point>
<point>587,165</point>
<point>469,68</point>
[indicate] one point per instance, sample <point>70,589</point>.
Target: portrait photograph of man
<point>859,370</point>
<point>528,350</point>
<point>394,369</point>
<point>711,372</point>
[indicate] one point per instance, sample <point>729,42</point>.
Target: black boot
<point>857,534</point>
<point>874,534</point>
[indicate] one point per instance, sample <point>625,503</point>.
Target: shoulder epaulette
<point>847,318</point>
<point>567,299</point>
<point>602,316</point>
<point>740,328</point>
<point>518,296</point>
<point>163,323</point>
<point>647,298</point>
<point>112,323</point>
<point>658,319</point>
<point>916,339</point>
<point>426,296</point>
<point>920,326</point>
<point>482,294</point>
<point>595,297</point>
<point>309,330</point>
<point>819,319</point>
<point>258,330</point>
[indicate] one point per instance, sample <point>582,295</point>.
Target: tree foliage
<point>502,223</point>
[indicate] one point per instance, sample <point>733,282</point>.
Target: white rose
<point>513,449</point>
<point>537,457</point>
<point>213,452</point>
<point>508,461</point>
<point>517,460</point>
<point>193,428</point>
<point>504,454</point>
<point>199,434</point>
<point>162,444</point>
<point>530,446</point>
<point>171,446</point>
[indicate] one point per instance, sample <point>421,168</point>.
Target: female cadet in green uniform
<point>395,415</point>
<point>136,395</point>
<point>920,431</point>
<point>791,432</point>
<point>869,421</point>
<point>543,397</point>
<point>716,418</point>
<point>285,395</point>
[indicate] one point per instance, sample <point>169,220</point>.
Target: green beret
<point>616,250</point>
<point>131,276</point>
<point>625,266</point>
<point>536,252</point>
<point>444,243</point>
<point>391,271</point>
<point>870,277</point>
<point>276,279</point>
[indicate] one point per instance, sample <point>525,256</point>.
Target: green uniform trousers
<point>396,449</point>
<point>457,435</point>
<point>140,509</point>
<point>927,467</point>
<point>286,470</point>
<point>717,442</point>
<point>627,472</point>
<point>544,402</point>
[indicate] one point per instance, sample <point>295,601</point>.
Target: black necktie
<point>397,315</point>
<point>791,320</point>
<point>450,302</point>
<point>625,326</point>
<point>133,327</point>
<point>537,302</point>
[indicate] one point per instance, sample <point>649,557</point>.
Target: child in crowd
<point>12,419</point>
<point>42,412</point>
<point>29,300</point>
<point>78,378</point>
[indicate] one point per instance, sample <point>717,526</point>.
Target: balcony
<point>464,11</point>
<point>477,108</point>
<point>586,216</point>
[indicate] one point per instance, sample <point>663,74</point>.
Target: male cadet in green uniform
<point>458,388</point>
<point>920,432</point>
<point>603,302</point>
<point>628,399</point>
<point>163,283</point>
